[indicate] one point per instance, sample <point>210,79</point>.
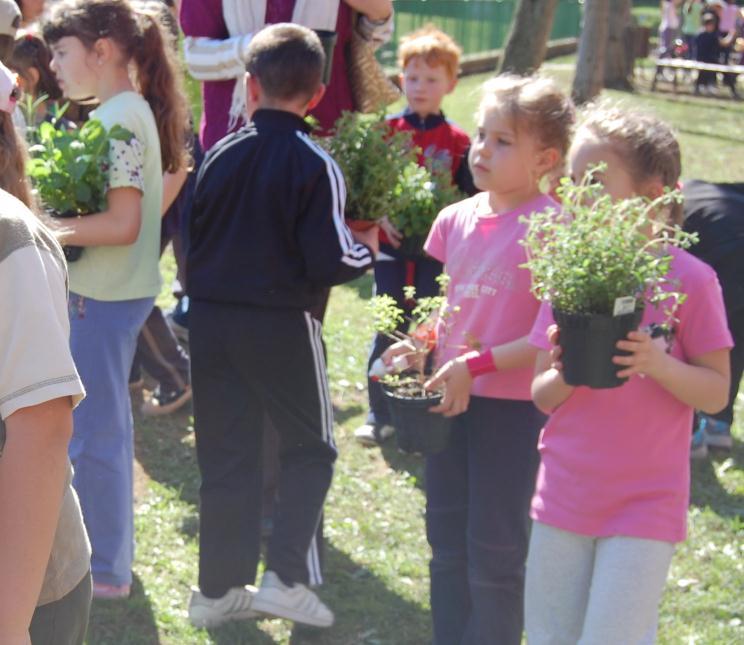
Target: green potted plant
<point>68,168</point>
<point>417,429</point>
<point>371,159</point>
<point>421,192</point>
<point>599,262</point>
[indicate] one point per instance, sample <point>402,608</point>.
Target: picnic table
<point>682,64</point>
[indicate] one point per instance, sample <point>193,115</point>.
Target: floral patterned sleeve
<point>126,161</point>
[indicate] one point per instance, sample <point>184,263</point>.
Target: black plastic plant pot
<point>328,41</point>
<point>588,343</point>
<point>416,429</point>
<point>72,253</point>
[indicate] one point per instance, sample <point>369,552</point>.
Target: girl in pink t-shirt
<point>478,489</point>
<point>613,484</point>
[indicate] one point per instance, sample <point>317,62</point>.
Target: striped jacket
<point>267,225</point>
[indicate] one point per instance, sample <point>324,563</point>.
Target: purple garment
<point>204,18</point>
<point>279,11</point>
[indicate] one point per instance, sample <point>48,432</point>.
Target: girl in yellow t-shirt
<point>114,283</point>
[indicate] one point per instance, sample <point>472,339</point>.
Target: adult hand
<point>457,381</point>
<point>393,234</point>
<point>370,238</point>
<point>648,356</point>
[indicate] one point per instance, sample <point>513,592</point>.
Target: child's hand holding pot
<point>648,356</point>
<point>549,387</point>
<point>370,238</point>
<point>554,335</point>
<point>404,350</point>
<point>456,378</point>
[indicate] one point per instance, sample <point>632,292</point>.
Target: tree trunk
<point>620,47</point>
<point>590,65</point>
<point>528,36</point>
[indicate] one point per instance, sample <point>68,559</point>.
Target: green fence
<point>477,25</point>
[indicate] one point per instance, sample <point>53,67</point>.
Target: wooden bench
<point>682,64</point>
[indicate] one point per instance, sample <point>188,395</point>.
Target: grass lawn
<point>377,574</point>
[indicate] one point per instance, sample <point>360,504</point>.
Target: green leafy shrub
<point>371,159</point>
<point>68,167</point>
<point>596,250</point>
<point>421,192</point>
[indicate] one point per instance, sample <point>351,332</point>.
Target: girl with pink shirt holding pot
<point>479,487</point>
<point>613,484</point>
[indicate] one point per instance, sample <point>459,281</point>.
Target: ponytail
<point>160,83</point>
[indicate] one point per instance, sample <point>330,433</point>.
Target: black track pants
<point>244,361</point>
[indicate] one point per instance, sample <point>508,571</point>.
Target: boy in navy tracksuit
<point>429,60</point>
<point>267,236</point>
<point>716,213</point>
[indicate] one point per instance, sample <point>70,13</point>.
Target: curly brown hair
<point>142,39</point>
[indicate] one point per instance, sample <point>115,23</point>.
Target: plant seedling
<point>596,250</point>
<point>417,330</point>
<point>421,192</point>
<point>69,166</point>
<point>599,261</point>
<point>372,158</point>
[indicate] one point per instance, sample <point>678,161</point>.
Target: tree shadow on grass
<point>165,448</point>
<point>685,97</point>
<point>697,132</point>
<point>123,622</point>
<point>366,610</point>
<point>706,488</point>
<point>343,412</point>
<point>244,632</point>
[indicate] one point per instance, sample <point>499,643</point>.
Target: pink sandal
<point>103,591</point>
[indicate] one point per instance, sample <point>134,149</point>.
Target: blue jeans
<point>390,278</point>
<point>103,337</point>
<point>478,493</point>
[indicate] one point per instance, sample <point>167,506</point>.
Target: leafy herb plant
<point>419,332</point>
<point>421,192</point>
<point>371,159</point>
<point>69,166</point>
<point>596,250</point>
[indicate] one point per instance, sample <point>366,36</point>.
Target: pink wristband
<point>481,364</point>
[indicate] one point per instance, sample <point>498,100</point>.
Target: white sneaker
<point>210,612</point>
<point>372,434</point>
<point>296,603</point>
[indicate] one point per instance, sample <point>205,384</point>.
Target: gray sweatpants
<point>593,591</point>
